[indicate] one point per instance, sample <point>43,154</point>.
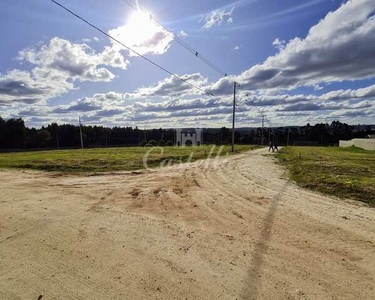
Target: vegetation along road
<point>110,159</point>
<point>342,172</point>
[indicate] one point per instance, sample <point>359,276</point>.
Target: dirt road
<point>235,231</point>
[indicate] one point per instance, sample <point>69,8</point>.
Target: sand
<point>235,230</point>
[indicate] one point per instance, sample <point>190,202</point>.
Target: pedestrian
<point>277,149</point>
<point>271,147</point>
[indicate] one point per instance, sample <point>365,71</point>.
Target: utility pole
<point>234,113</point>
<point>269,133</point>
<point>57,142</point>
<point>80,131</point>
<point>287,140</point>
<point>262,128</point>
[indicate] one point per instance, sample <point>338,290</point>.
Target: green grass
<point>106,159</point>
<point>343,172</point>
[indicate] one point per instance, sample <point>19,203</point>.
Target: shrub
<point>143,143</point>
<point>152,143</point>
<point>161,143</point>
<point>169,143</point>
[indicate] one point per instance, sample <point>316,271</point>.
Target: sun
<point>140,28</point>
<point>143,35</point>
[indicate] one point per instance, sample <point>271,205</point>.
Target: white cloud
<point>340,47</point>
<point>218,17</point>
<point>75,61</point>
<point>182,34</point>
<point>279,44</point>
<point>24,87</point>
<point>56,66</point>
<point>171,87</point>
<point>150,109</point>
<point>236,48</point>
<point>142,35</point>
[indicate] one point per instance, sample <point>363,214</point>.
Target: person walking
<point>270,147</point>
<point>275,147</point>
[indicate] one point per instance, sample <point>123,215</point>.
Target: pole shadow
<point>253,282</point>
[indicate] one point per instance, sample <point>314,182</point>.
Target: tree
<point>3,127</point>
<point>161,143</point>
<point>15,133</point>
<point>43,137</point>
<point>54,131</point>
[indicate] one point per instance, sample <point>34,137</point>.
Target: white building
<point>189,137</point>
<point>367,144</point>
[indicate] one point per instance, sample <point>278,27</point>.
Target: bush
<point>152,143</point>
<point>161,143</point>
<point>244,140</point>
<point>143,143</point>
<point>170,143</point>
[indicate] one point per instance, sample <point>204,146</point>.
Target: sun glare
<point>143,35</point>
<point>140,28</point>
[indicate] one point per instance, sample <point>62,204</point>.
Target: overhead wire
<point>130,49</point>
<point>178,39</point>
<point>260,111</point>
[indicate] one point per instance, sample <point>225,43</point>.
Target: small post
<point>80,131</point>
<point>262,128</point>
<point>234,113</point>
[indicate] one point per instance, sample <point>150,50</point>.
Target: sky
<point>296,62</point>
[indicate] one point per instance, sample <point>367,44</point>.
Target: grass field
<point>343,172</point>
<point>106,159</point>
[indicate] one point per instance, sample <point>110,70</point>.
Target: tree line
<point>15,135</point>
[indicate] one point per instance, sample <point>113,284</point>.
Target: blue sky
<point>296,61</point>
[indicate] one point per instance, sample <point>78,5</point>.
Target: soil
<point>237,229</point>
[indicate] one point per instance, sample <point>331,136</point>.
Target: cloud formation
<point>279,44</point>
<point>340,47</point>
<point>114,108</point>
<point>218,17</point>
<point>55,67</point>
<point>142,35</point>
<point>74,61</point>
<point>171,87</point>
<point>182,34</point>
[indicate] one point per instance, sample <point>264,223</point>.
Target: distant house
<point>367,144</point>
<point>189,137</point>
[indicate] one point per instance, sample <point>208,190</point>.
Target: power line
<point>262,114</point>
<point>130,49</point>
<point>178,40</point>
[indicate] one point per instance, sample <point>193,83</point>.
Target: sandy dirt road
<point>237,230</point>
